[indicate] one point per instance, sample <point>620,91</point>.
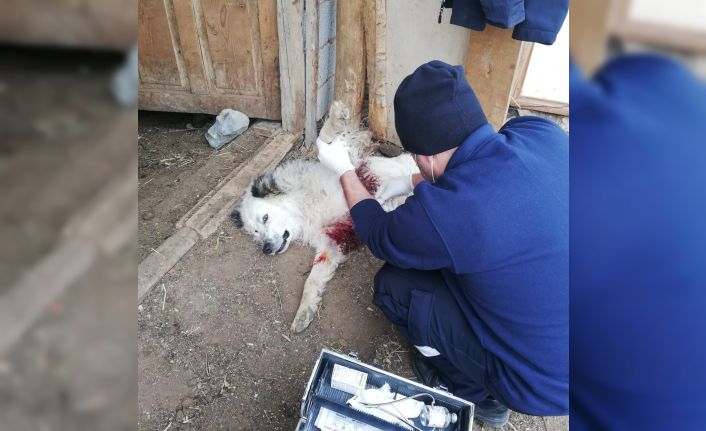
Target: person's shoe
<point>425,372</point>
<point>491,412</point>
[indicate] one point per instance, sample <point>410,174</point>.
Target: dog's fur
<point>303,201</point>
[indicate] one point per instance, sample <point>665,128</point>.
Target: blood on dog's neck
<point>369,180</point>
<point>342,231</point>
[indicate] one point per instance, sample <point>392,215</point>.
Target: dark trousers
<point>420,305</point>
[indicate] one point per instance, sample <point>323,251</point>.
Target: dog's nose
<point>268,248</point>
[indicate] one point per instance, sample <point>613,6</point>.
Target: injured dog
<point>303,201</point>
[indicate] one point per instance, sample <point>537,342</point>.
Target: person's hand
<point>393,187</point>
<point>335,156</point>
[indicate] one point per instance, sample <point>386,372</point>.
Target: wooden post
<point>290,25</point>
<point>589,32</point>
<point>491,63</point>
<point>311,56</point>
<point>350,56</point>
<point>375,20</point>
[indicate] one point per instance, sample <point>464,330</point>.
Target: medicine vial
<point>437,417</point>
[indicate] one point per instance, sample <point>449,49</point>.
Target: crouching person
<point>477,258</point>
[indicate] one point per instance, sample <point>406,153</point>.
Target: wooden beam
<point>491,64</point>
<point>375,19</point>
<point>269,50</point>
<point>522,68</point>
<point>290,26</point>
<point>70,23</point>
<point>311,56</point>
<point>350,56</point>
<point>589,21</point>
<point>662,35</point>
<point>542,105</point>
<point>525,102</point>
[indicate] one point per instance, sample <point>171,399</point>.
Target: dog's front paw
<point>302,320</point>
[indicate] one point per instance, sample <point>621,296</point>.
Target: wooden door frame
<point>527,102</point>
<point>659,35</point>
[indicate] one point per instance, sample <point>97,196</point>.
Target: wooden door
<point>207,55</point>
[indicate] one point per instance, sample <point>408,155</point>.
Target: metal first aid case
<point>329,402</point>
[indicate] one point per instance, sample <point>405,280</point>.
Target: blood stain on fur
<point>342,233</point>
<point>323,257</point>
<point>366,177</point>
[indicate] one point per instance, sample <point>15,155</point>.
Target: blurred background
<point>68,213</point>
<point>638,238</point>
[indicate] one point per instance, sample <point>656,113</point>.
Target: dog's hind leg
<point>325,264</point>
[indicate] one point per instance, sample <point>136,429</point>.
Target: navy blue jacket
<point>638,247</point>
<point>496,225</point>
<point>534,20</point>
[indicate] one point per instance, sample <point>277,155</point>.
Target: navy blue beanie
<point>436,109</point>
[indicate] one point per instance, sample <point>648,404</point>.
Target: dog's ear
<point>237,220</point>
<point>265,185</point>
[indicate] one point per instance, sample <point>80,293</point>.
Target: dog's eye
<point>264,218</point>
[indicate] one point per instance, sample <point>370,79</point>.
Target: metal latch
<point>443,388</point>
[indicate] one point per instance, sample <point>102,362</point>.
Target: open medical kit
<point>344,394</point>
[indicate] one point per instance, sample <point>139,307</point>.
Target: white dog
<point>303,201</point>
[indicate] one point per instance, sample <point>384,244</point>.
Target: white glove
<point>334,156</point>
<point>393,187</point>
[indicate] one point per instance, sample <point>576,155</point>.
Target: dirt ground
<point>71,368</point>
<point>177,167</point>
<point>58,107</point>
<point>74,368</point>
<point>214,346</point>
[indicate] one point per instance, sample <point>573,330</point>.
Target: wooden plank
<point>190,46</point>
<point>156,57</point>
<point>589,21</point>
<point>522,67</point>
<point>24,303</point>
<point>667,36</point>
<point>375,20</point>
<point>269,54</point>
<point>161,260</point>
<point>542,105</point>
<point>233,44</point>
<point>311,56</point>
<point>290,19</point>
<point>490,69</point>
<point>662,36</point>
<point>208,214</point>
<point>69,23</point>
<point>100,228</point>
<point>266,128</point>
<point>349,86</point>
<point>161,100</point>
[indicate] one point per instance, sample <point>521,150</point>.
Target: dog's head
<point>266,214</point>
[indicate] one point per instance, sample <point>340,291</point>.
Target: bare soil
<point>53,153</point>
<point>74,368</point>
<point>177,167</point>
<point>69,370</point>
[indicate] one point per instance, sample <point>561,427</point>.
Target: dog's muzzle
<point>268,247</point>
